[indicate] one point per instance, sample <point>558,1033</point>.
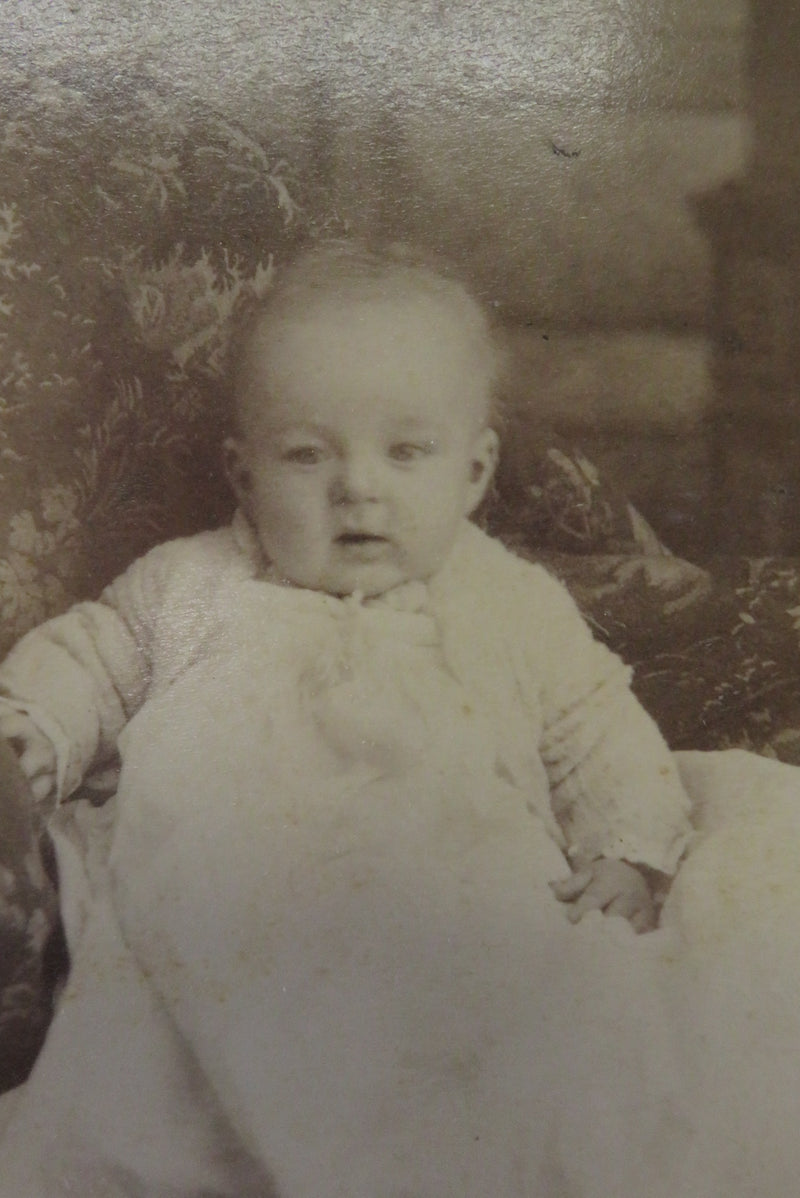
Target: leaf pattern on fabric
<point>716,652</point>
<point>115,306</point>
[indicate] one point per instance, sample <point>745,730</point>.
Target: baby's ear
<point>236,471</point>
<point>482,467</point>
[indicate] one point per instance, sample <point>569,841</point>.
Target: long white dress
<point>323,959</point>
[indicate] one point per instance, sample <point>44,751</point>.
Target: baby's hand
<point>34,751</point>
<point>614,887</point>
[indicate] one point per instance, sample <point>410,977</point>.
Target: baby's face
<point>363,442</point>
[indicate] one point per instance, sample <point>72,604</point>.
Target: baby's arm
<point>615,790</point>
<point>623,810</point>
<point>70,686</point>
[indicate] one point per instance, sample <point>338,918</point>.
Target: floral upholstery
<point>715,650</point>
<point>129,231</point>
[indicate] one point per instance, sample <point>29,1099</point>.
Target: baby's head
<point>363,389</point>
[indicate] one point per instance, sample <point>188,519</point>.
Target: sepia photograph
<point>399,599</point>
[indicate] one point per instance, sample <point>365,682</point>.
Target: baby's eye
<point>410,451</point>
<point>303,455</point>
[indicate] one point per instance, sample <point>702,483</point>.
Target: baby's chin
<point>366,566</point>
<point>369,581</point>
<point>369,584</point>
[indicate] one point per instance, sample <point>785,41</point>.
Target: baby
<point>365,434</point>
<point>359,739</point>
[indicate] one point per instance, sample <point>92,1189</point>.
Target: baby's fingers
<point>37,760</point>
<point>37,757</point>
<point>600,894</point>
<point>637,909</point>
<point>17,728</point>
<point>568,889</point>
<point>42,786</point>
<point>592,899</point>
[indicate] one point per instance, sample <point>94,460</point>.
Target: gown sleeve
<point>615,789</point>
<point>82,675</point>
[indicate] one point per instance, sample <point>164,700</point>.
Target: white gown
<point>323,960</point>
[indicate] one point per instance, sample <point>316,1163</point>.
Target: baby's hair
<point>341,269</point>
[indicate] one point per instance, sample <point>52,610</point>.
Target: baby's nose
<point>358,479</point>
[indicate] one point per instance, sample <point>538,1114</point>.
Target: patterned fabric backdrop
<point>129,230</point>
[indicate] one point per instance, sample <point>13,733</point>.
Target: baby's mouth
<point>362,542</point>
<point>354,537</point>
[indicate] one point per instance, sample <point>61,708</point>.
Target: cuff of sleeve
<point>659,855</point>
<point>626,805</point>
